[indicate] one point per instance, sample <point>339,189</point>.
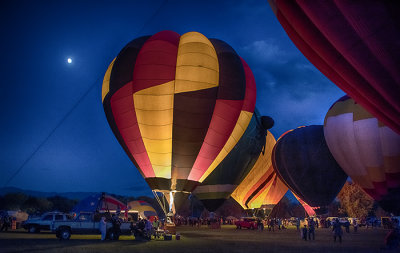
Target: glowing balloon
<point>261,186</point>
<point>178,105</point>
<point>219,185</point>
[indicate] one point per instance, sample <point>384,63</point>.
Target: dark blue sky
<point>40,90</point>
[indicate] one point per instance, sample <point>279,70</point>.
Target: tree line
<point>352,201</point>
<point>35,205</point>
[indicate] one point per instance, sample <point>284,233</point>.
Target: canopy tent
<point>99,202</point>
<point>145,209</point>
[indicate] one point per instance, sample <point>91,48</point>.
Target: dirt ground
<point>227,239</point>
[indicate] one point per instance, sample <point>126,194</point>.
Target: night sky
<point>49,104</point>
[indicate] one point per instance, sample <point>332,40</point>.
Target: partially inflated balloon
<point>178,105</point>
<point>219,185</point>
<point>309,210</point>
<point>355,44</point>
<point>261,186</point>
<point>303,161</point>
<point>366,149</point>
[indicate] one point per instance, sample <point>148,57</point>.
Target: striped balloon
<point>366,149</point>
<point>145,209</point>
<point>220,184</point>
<point>261,186</point>
<point>178,105</point>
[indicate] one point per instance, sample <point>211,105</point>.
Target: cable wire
<point>84,95</point>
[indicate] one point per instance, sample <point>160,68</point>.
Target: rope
<point>162,205</point>
<point>70,111</point>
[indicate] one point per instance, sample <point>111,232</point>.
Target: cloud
<point>266,51</point>
<point>289,88</point>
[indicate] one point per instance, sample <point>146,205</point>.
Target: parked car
<point>246,222</point>
<point>35,225</point>
<point>89,223</point>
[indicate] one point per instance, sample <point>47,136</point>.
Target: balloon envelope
<point>366,149</point>
<point>303,161</point>
<point>261,186</point>
<point>145,209</point>
<point>178,105</point>
<point>219,185</point>
<point>355,44</point>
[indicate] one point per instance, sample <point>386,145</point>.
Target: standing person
<point>273,224</point>
<point>347,225</point>
<point>311,229</point>
<point>148,228</point>
<point>304,232</point>
<point>337,230</point>
<point>156,223</point>
<point>392,239</point>
<point>297,224</point>
<point>355,225</point>
<point>103,228</point>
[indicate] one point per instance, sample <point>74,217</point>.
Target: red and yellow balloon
<point>178,105</point>
<point>261,186</point>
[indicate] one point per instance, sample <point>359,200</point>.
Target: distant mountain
<point>69,195</point>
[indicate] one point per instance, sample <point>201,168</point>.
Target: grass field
<point>193,240</point>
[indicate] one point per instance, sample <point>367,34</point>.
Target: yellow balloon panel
<point>154,112</point>
<point>106,81</point>
<point>275,193</point>
<point>197,64</point>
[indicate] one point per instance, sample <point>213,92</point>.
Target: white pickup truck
<point>34,225</point>
<point>89,223</point>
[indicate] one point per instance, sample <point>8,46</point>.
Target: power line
<point>72,109</point>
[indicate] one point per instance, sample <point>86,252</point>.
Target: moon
<point>69,60</point>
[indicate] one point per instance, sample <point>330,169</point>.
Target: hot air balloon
<point>355,44</point>
<point>219,185</point>
<point>261,186</point>
<point>178,105</point>
<point>309,210</point>
<point>303,161</point>
<point>145,210</point>
<point>366,149</point>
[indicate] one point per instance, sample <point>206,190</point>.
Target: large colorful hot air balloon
<point>366,149</point>
<point>261,186</point>
<point>355,44</point>
<point>178,105</point>
<point>219,185</point>
<point>303,161</point>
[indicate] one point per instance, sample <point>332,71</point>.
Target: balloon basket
<point>170,228</point>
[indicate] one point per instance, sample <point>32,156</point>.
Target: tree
<point>62,204</point>
<point>36,205</point>
<point>354,201</point>
<point>13,201</point>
